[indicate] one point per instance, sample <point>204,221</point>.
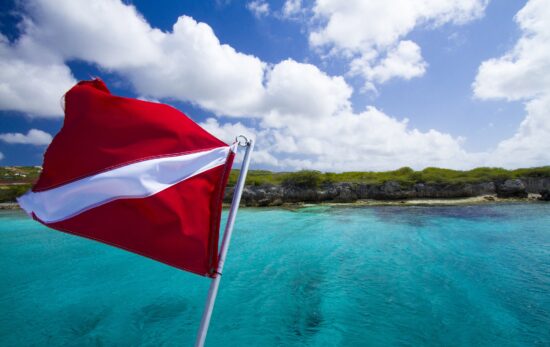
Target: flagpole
<point>213,291</point>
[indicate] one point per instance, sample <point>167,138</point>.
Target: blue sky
<point>329,85</point>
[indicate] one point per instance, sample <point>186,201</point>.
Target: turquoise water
<point>319,276</point>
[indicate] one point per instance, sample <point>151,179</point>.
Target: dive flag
<point>134,174</point>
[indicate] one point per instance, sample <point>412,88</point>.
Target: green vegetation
<point>256,177</point>
<point>19,174</point>
<point>405,176</point>
<point>15,180</point>
<point>303,179</point>
<point>8,193</point>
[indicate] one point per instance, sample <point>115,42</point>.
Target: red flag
<point>136,175</point>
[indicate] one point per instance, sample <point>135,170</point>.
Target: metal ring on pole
<point>241,140</point>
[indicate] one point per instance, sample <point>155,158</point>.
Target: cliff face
<point>276,195</point>
<point>536,185</point>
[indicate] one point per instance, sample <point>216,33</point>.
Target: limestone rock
<point>278,195</point>
<point>514,188</point>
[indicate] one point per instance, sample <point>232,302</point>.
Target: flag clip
<point>241,140</point>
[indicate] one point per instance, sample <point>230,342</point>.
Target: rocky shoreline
<point>392,192</point>
<point>9,206</point>
<point>389,193</point>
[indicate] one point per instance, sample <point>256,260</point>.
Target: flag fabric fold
<point>134,174</point>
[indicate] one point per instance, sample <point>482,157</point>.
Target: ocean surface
<point>316,276</point>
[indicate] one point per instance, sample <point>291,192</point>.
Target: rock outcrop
<point>545,195</point>
<point>512,189</point>
<point>536,185</point>
<point>346,192</point>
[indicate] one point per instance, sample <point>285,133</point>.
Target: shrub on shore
<point>15,180</point>
<point>8,193</point>
<point>405,176</point>
<point>302,179</point>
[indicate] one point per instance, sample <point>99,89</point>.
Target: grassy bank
<point>405,176</point>
<point>15,180</point>
<point>18,174</point>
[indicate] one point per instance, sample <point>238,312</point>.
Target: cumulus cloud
<point>31,85</point>
<point>258,7</point>
<point>404,61</point>
<point>292,8</point>
<point>348,141</point>
<point>370,33</point>
<point>109,33</point>
<point>33,137</point>
<point>297,91</point>
<point>530,145</point>
<point>228,131</point>
<point>354,141</point>
<point>196,67</point>
<point>523,74</point>
<point>301,116</point>
<point>188,63</point>
<point>1,156</point>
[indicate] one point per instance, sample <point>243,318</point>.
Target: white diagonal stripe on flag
<point>136,180</point>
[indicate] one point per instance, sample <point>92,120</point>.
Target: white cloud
<point>188,63</point>
<point>530,145</point>
<point>228,131</point>
<point>292,8</point>
<point>297,91</point>
<point>109,33</point>
<point>373,140</point>
<point>258,7</point>
<point>196,67</point>
<point>304,115</point>
<point>143,98</point>
<point>347,141</point>
<point>523,73</point>
<point>30,85</point>
<point>357,25</point>
<point>404,61</point>
<point>301,116</point>
<point>33,137</point>
<point>370,33</point>
<point>1,156</point>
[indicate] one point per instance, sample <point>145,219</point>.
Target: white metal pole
<point>213,291</point>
